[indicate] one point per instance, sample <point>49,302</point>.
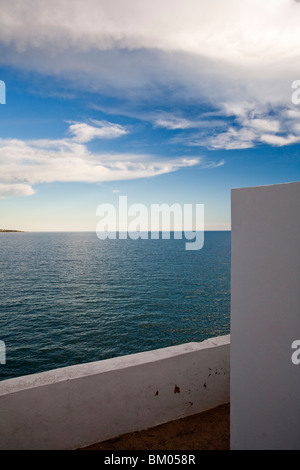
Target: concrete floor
<point>209,430</point>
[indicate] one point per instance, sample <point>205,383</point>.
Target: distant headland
<point>3,230</point>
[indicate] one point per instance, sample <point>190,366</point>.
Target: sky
<point>165,101</point>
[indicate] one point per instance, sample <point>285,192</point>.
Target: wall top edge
<point>93,368</point>
<point>283,185</point>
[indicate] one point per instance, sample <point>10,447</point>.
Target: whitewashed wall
<point>265,317</point>
<point>76,406</point>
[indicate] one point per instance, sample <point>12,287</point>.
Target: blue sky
<point>152,100</point>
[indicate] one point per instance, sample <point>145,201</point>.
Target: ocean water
<point>70,298</point>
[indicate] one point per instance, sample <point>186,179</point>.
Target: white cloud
<point>209,45</point>
<point>174,123</point>
<point>24,164</point>
<point>232,139</point>
<point>278,140</point>
<point>250,128</point>
<point>253,125</point>
<point>84,133</point>
<point>240,57</point>
<point>269,125</point>
<point>7,190</point>
<point>246,33</point>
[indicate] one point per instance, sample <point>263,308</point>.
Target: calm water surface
<point>70,298</point>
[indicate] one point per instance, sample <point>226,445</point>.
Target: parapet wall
<point>265,318</point>
<point>79,405</point>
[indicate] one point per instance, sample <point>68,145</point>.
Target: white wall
<point>265,317</point>
<point>75,406</point>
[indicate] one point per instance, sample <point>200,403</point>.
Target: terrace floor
<point>209,430</point>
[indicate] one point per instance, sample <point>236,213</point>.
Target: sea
<point>70,298</point>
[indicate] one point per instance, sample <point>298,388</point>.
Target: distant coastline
<point>2,230</point>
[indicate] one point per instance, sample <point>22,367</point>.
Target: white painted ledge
<point>79,405</point>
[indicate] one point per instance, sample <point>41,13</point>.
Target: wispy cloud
<point>24,164</point>
<point>84,133</point>
<point>174,122</point>
<point>249,127</point>
<point>280,141</point>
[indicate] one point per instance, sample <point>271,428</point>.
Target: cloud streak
<point>83,133</point>
<point>24,164</point>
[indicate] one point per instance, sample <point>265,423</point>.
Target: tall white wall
<point>76,406</point>
<point>265,317</point>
